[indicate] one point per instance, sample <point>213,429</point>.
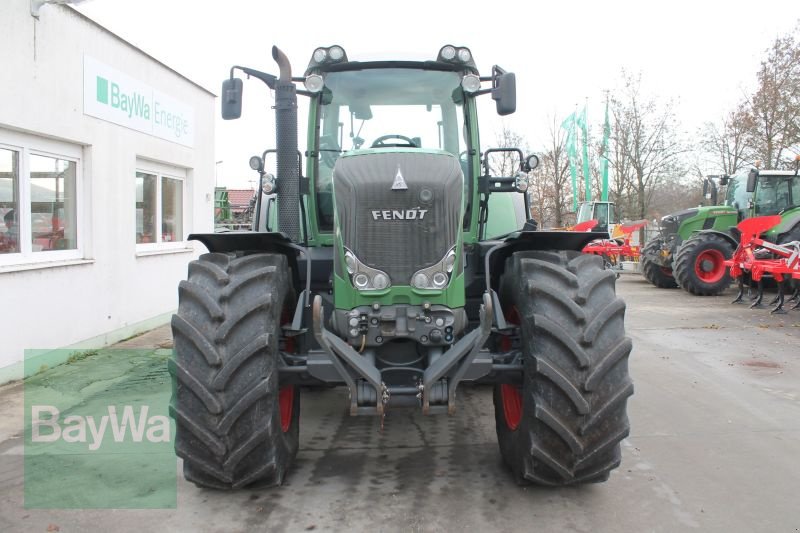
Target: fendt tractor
<point>379,277</point>
<point>693,244</point>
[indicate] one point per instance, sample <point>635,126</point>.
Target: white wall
<point>41,94</point>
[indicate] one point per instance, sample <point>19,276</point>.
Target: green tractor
<point>693,244</point>
<point>386,270</point>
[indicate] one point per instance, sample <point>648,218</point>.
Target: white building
<point>106,165</point>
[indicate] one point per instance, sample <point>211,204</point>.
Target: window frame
<point>27,145</point>
<point>161,171</point>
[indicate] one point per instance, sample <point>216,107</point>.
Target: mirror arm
<point>269,79</point>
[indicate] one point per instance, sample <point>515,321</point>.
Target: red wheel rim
<point>512,405</point>
<point>710,266</point>
<point>512,399</point>
<point>666,271</point>
<point>286,404</point>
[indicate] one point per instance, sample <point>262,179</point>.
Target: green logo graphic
<point>97,431</point>
<point>102,90</point>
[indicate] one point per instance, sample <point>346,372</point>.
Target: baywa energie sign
<point>113,96</point>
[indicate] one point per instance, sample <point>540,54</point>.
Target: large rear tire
<point>563,425</point>
<point>236,426</point>
<point>658,275</point>
<point>700,264</point>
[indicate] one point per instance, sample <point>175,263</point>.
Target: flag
<point>581,119</point>
<point>572,156</point>
<point>604,155</point>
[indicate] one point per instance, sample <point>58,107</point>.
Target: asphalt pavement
<point>714,446</point>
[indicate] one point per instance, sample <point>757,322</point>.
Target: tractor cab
<point>758,193</point>
<point>603,212</point>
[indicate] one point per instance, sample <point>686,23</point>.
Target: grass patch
<point>80,356</point>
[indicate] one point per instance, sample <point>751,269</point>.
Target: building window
<point>9,201</point>
<point>54,220</point>
<point>39,199</point>
<point>159,207</point>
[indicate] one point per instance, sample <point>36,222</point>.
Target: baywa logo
<point>134,104</point>
<point>144,107</point>
<point>47,426</point>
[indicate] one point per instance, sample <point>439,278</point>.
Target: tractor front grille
<point>393,229</point>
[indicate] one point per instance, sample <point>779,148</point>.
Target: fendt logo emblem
<point>399,214</point>
<point>399,182</point>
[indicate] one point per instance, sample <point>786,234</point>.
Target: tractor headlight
<point>361,280</point>
<point>456,54</point>
<point>420,280</point>
<point>314,83</point>
<point>350,262</point>
<point>320,55</point>
<point>439,280</point>
<point>436,276</point>
<point>448,53</point>
<point>450,260</point>
<point>268,184</point>
<point>363,277</point>
<point>470,83</point>
<point>325,55</point>
<point>521,182</point>
<point>336,53</point>
<point>380,281</point>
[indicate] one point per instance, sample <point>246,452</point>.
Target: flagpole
<point>604,154</point>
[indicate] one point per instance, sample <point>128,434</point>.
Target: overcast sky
<point>702,54</point>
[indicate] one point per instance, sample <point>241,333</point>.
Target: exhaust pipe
<point>288,182</point>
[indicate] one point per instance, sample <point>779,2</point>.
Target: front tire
<point>235,425</point>
<point>700,264</point>
<point>661,277</point>
<point>564,423</point>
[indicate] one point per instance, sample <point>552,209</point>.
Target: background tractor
<point>694,244</point>
<point>386,260</point>
<point>603,212</point>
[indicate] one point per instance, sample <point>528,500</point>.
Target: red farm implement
<point>756,258</point>
<point>613,249</point>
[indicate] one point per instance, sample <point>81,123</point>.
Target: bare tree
<point>646,149</point>
<point>775,106</point>
<point>727,142</point>
<point>621,170</point>
<point>553,174</point>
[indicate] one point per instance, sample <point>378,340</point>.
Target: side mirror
<point>504,93</point>
<point>361,111</point>
<point>751,180</point>
<point>531,162</point>
<point>232,98</point>
<point>724,180</point>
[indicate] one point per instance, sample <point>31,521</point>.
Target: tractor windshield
<point>386,108</point>
<point>584,212</point>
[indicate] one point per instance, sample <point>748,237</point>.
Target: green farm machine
<point>377,262</point>
<point>694,244</point>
